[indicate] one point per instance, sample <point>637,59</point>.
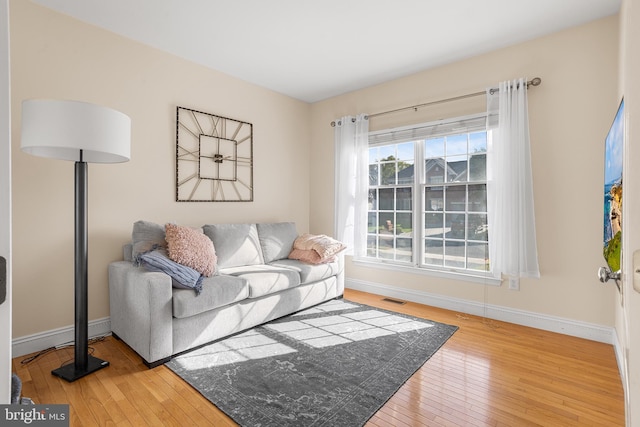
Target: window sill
<point>445,274</point>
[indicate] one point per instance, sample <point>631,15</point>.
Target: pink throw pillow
<point>325,246</point>
<point>189,247</point>
<point>309,256</point>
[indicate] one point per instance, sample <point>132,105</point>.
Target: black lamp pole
<point>84,364</point>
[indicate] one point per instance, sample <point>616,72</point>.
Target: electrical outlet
<point>514,283</point>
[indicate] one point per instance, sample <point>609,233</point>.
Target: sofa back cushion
<point>146,236</point>
<point>235,244</point>
<point>276,240</point>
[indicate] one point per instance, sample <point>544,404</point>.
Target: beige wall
<point>58,57</point>
<point>570,114</point>
<point>54,56</point>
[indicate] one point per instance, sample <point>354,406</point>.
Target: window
<point>427,199</point>
<point>390,214</point>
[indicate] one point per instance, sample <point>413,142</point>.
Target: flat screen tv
<point>613,160</point>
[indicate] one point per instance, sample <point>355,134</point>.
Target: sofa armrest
<point>141,309</point>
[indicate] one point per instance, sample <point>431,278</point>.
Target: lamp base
<point>71,373</point>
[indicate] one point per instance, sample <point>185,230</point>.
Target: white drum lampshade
<point>62,129</point>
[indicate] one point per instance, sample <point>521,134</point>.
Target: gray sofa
<point>255,283</point>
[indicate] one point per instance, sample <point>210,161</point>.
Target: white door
<point>5,204</point>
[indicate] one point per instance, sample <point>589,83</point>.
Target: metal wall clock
<point>214,158</point>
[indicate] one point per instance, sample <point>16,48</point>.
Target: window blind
<point>467,124</point>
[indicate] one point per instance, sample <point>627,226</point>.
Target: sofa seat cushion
<point>265,279</point>
<point>309,273</point>
<point>217,291</point>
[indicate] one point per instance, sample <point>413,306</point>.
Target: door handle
<point>605,274</point>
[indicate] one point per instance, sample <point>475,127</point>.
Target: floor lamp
<point>84,133</point>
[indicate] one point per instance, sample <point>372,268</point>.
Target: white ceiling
<point>313,50</point>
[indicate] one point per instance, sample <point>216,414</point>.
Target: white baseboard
<point>55,337</point>
<point>546,322</point>
<point>619,350</point>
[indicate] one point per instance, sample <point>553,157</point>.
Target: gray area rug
<point>334,364</point>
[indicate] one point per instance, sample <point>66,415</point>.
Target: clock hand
<point>218,158</point>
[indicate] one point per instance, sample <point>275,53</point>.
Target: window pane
<point>478,198</point>
<point>478,256</point>
<point>373,155</point>
<point>372,222</point>
<point>373,199</point>
<point>477,142</point>
<point>457,169</point>
<point>404,224</point>
<point>454,254</point>
<point>478,156</point>
<point>477,229</point>
<point>433,199</point>
<point>403,199</point>
<point>386,199</point>
<point>454,226</point>
<point>456,144</point>
<point>388,173</point>
<point>373,175</point>
<point>405,173</point>
<point>433,250</point>
<point>434,147</point>
<point>433,225</point>
<point>386,225</point>
<point>478,167</point>
<point>434,170</point>
<point>385,248</point>
<point>456,198</point>
<point>404,249</point>
<point>386,151</point>
<point>372,246</point>
<point>405,151</point>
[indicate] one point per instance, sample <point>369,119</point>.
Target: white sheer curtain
<point>351,137</point>
<point>512,232</point>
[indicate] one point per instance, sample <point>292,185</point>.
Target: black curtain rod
<point>533,82</point>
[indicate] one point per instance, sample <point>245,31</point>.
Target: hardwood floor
<point>489,373</point>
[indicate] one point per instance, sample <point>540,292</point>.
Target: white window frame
<point>418,133</point>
